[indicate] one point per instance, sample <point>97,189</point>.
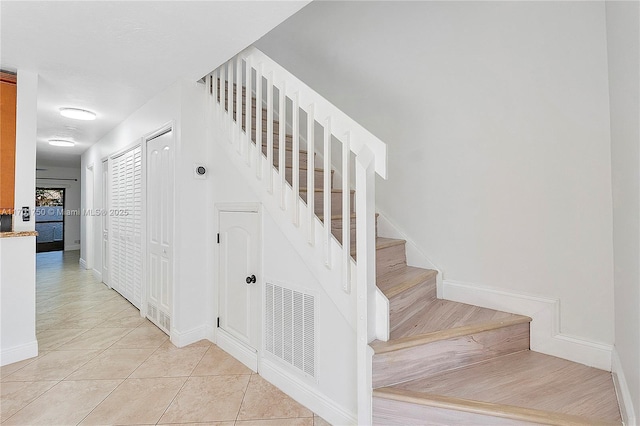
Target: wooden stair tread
<point>394,283</point>
<point>525,384</point>
<point>440,315</point>
<point>420,339</point>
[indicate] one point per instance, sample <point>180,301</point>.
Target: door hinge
<point>218,322</point>
<point>218,238</point>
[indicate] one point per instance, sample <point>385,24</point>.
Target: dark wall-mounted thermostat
<point>200,171</point>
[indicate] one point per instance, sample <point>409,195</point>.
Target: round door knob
<point>251,279</point>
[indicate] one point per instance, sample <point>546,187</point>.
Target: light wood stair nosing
<point>483,408</point>
<point>422,339</point>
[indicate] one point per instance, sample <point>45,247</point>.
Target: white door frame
<point>105,222</point>
<point>238,350</point>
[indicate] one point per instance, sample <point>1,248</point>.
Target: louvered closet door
<point>114,236</point>
<point>126,225</point>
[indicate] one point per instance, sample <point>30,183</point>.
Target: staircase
<point>442,362</point>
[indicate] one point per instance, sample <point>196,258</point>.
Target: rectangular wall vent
<point>290,331</point>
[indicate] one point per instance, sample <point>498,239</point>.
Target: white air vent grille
<point>152,311</point>
<point>290,332</point>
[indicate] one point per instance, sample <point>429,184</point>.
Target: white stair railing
<point>254,78</point>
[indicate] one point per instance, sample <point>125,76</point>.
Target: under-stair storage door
<point>125,214</point>
<point>240,282</point>
<point>160,163</point>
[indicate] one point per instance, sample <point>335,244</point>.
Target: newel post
<point>366,278</point>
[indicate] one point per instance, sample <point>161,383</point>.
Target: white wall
<point>623,35</point>
<point>17,255</point>
<point>58,177</point>
<point>496,117</point>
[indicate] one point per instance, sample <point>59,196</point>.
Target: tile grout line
<point>243,396</point>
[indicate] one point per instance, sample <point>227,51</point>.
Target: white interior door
<point>160,157</point>
<point>105,222</point>
<point>239,302</point>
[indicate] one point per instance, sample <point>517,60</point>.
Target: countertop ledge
<point>18,234</point>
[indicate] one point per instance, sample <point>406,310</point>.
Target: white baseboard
<point>306,395</point>
<point>545,327</point>
<point>18,353</point>
<point>83,263</point>
<point>97,274</point>
<point>415,257</point>
<point>239,351</point>
<point>188,337</point>
<point>72,247</point>
<point>625,400</point>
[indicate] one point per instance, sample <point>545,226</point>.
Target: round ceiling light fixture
<point>61,142</point>
<point>77,113</point>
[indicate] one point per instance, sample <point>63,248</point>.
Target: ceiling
<point>111,57</point>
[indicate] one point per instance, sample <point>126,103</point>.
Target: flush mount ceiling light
<point>77,113</point>
<point>61,142</point>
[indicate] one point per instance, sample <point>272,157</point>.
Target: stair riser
<point>390,259</point>
<point>336,230</point>
<point>318,178</point>
<point>336,202</point>
<point>390,412</point>
<point>288,158</point>
<point>436,357</point>
<point>410,302</point>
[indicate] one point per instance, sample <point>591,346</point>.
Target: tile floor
<point>100,363</point>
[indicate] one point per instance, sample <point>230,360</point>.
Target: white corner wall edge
<point>83,263</point>
<point>545,327</point>
<point>415,257</point>
<point>182,339</point>
<point>306,395</point>
<point>19,353</point>
<point>622,391</point>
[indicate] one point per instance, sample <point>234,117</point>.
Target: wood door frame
<point>220,337</point>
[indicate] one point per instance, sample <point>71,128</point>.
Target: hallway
<point>101,363</point>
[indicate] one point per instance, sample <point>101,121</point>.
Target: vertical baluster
<point>223,89</point>
<point>282,166</point>
<point>230,97</point>
<point>311,185</point>
<point>214,88</point>
<point>346,213</point>
<point>259,121</point>
<point>295,170</point>
<point>249,96</point>
<point>238,132</point>
<point>326,170</point>
<point>270,132</point>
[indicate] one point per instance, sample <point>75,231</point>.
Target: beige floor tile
<point>55,365</point>
<point>142,337</point>
<point>169,361</point>
<point>319,421</point>
<point>66,403</point>
<point>88,319</point>
<point>112,364</point>
<point>265,401</point>
<point>97,338</point>
<point>298,421</point>
<point>198,424</point>
<point>136,401</point>
<point>12,368</point>
<point>55,337</point>
<point>217,362</point>
<point>207,399</point>
<point>129,318</point>
<point>16,395</point>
